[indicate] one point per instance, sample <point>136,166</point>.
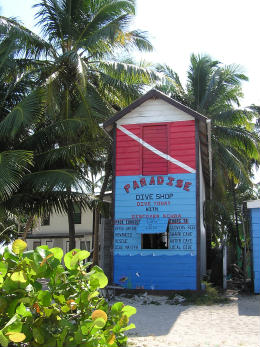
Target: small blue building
<point>161,180</point>
<point>254,208</point>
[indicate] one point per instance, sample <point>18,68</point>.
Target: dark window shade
<point>156,136</point>
<point>76,214</point>
<point>36,244</point>
<point>85,245</point>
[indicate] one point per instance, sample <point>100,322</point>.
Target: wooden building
<point>162,175</point>
<point>254,208</point>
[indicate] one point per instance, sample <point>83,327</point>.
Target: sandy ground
<point>230,325</point>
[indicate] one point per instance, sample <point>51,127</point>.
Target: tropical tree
<point>80,84</point>
<point>215,91</point>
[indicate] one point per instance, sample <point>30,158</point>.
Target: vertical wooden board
<point>156,136</point>
<point>255,239</point>
<point>182,145</point>
<point>128,152</point>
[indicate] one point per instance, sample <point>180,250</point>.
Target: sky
<point>227,30</point>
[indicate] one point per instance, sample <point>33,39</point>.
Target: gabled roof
<point>204,126</point>
<point>152,94</point>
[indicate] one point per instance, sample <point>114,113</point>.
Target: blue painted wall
<point>171,197</point>
<point>255,239</point>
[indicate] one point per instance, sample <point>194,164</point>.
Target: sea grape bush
<point>65,311</point>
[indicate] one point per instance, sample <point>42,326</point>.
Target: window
<point>155,241</point>
<point>67,246</point>
<point>85,245</point>
<point>76,214</point>
<point>49,243</point>
<point>36,244</point>
<point>45,220</point>
<point>157,137</point>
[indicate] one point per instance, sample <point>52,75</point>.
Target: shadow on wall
<point>249,305</point>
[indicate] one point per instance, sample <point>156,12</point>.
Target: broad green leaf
<point>84,297</point>
<point>10,285</point>
<point>14,327</point>
<point>28,254</point>
<point>130,326</point>
<point>9,255</point>
<point>86,327</point>
<point>57,253</point>
<point>60,298</point>
<point>129,310</point>
<point>19,246</point>
<point>21,310</point>
<point>81,255</point>
<point>3,268</point>
<point>101,278</point>
<point>16,337</point>
<point>93,295</point>
<point>12,307</point>
<point>44,298</point>
<point>117,307</point>
<point>38,335</point>
<point>99,323</point>
<point>72,258</point>
<point>45,247</point>
<point>19,276</point>
<point>47,311</point>
<point>65,309</point>
<point>68,258</point>
<point>3,340</point>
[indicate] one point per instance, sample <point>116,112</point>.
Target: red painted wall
<point>176,139</point>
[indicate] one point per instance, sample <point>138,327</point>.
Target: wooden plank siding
<point>156,136</point>
<point>140,172</point>
<point>178,141</point>
<point>255,239</point>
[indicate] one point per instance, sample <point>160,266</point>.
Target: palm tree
<point>214,90</point>
<point>80,85</point>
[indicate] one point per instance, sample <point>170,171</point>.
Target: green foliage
<point>66,311</point>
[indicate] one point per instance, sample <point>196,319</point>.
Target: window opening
<point>67,246</point>
<point>49,243</point>
<point>156,241</point>
<point>85,245</point>
<point>76,217</point>
<point>36,244</point>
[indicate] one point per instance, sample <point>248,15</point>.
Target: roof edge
<point>153,93</point>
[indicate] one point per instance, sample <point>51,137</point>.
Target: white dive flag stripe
<point>156,151</point>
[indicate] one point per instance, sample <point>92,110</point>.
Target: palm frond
<point>14,165</point>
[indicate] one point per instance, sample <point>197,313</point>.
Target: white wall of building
<point>153,110</point>
<point>44,234</point>
<point>59,223</point>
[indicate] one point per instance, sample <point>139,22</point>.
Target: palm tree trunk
<point>236,216</point>
<point>108,169</point>
<point>72,234</point>
<point>96,237</point>
<point>27,227</point>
